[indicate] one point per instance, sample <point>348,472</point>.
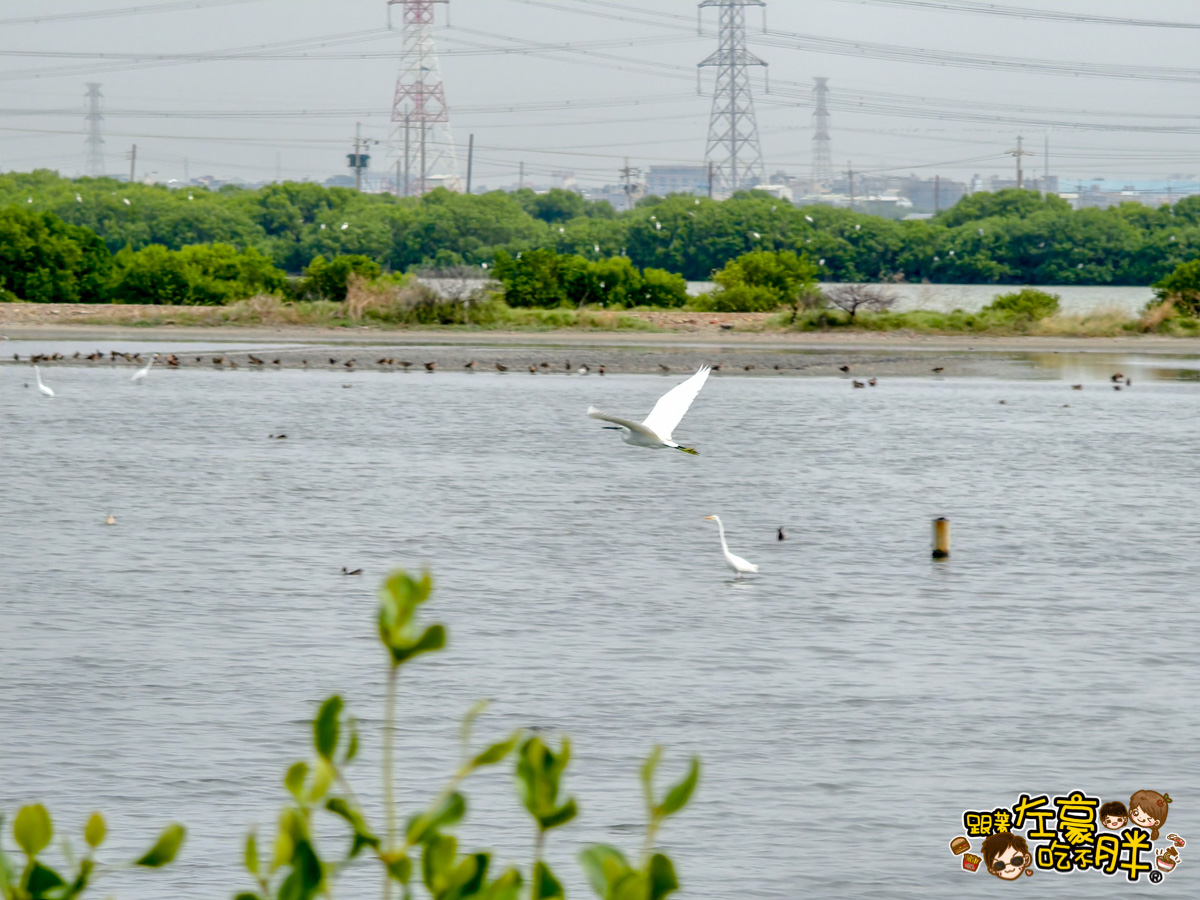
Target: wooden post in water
<point>941,538</point>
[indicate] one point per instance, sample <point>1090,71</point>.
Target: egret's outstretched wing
<point>667,412</point>
<point>632,426</point>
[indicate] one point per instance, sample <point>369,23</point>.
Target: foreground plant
<point>423,853</point>
<point>33,830</point>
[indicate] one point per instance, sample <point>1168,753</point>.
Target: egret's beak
<point>709,517</point>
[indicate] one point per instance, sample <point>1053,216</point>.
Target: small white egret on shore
<point>655,432</point>
<point>740,566</point>
<point>144,370</point>
<point>41,387</point>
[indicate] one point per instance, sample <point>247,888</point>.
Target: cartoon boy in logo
<point>1149,809</point>
<point>1113,815</point>
<point>1006,855</point>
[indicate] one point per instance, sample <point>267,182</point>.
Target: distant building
<point>340,181</point>
<point>933,194</point>
<point>663,180</point>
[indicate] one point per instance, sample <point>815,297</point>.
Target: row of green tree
<point>1010,237</point>
<point>45,260</point>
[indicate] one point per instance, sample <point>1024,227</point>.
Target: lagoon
<point>849,703</point>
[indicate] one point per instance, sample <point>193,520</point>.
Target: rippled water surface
<point>849,703</point>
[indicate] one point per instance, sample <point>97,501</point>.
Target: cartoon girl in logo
<point>1149,810</point>
<point>1006,855</point>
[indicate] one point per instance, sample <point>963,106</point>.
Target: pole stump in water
<point>941,538</point>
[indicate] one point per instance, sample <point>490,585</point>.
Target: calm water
<point>849,703</point>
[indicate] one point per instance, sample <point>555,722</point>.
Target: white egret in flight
<point>41,387</point>
<point>655,432</point>
<point>144,370</point>
<point>740,566</point>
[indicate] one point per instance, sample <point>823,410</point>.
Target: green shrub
<point>547,279</point>
<point>1027,303</point>
<point>742,298</point>
<point>1183,287</point>
<point>663,288</point>
<point>764,280</point>
<point>329,279</point>
<point>45,260</point>
<point>201,274</point>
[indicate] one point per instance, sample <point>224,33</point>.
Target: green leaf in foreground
<point>325,727</point>
<point>95,830</point>
<point>32,829</point>
<point>679,795</point>
<point>165,848</point>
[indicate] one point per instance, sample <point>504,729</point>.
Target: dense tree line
<point>1011,237</point>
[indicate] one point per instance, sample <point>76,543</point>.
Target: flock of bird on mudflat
<point>654,432</point>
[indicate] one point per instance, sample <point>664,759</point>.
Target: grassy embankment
<point>1161,320</point>
<point>494,314</point>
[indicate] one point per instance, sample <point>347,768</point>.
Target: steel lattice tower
<point>421,141</point>
<point>733,145</point>
<point>822,149</point>
<point>95,141</point>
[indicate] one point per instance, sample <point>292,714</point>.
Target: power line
<point>124,11</point>
<point>1021,12</point>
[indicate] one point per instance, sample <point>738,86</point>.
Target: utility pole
<point>187,179</point>
<point>521,177</point>
<point>470,160</point>
<point>132,163</point>
<point>937,193</point>
<point>733,129</point>
<point>1046,167</point>
<point>358,160</point>
<point>424,131</point>
<point>850,175</point>
<point>399,175</point>
<point>629,173</point>
<point>1017,154</point>
<point>710,178</point>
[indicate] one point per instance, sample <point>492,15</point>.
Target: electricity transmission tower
<point>95,141</point>
<point>733,131</point>
<point>822,147</point>
<point>421,141</point>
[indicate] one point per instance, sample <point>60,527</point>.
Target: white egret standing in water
<point>144,370</point>
<point>740,566</point>
<point>41,387</point>
<point>655,432</point>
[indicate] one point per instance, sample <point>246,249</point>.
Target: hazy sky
<point>246,118</point>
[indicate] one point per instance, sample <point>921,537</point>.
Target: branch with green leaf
<point>420,853</point>
<point>33,830</point>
